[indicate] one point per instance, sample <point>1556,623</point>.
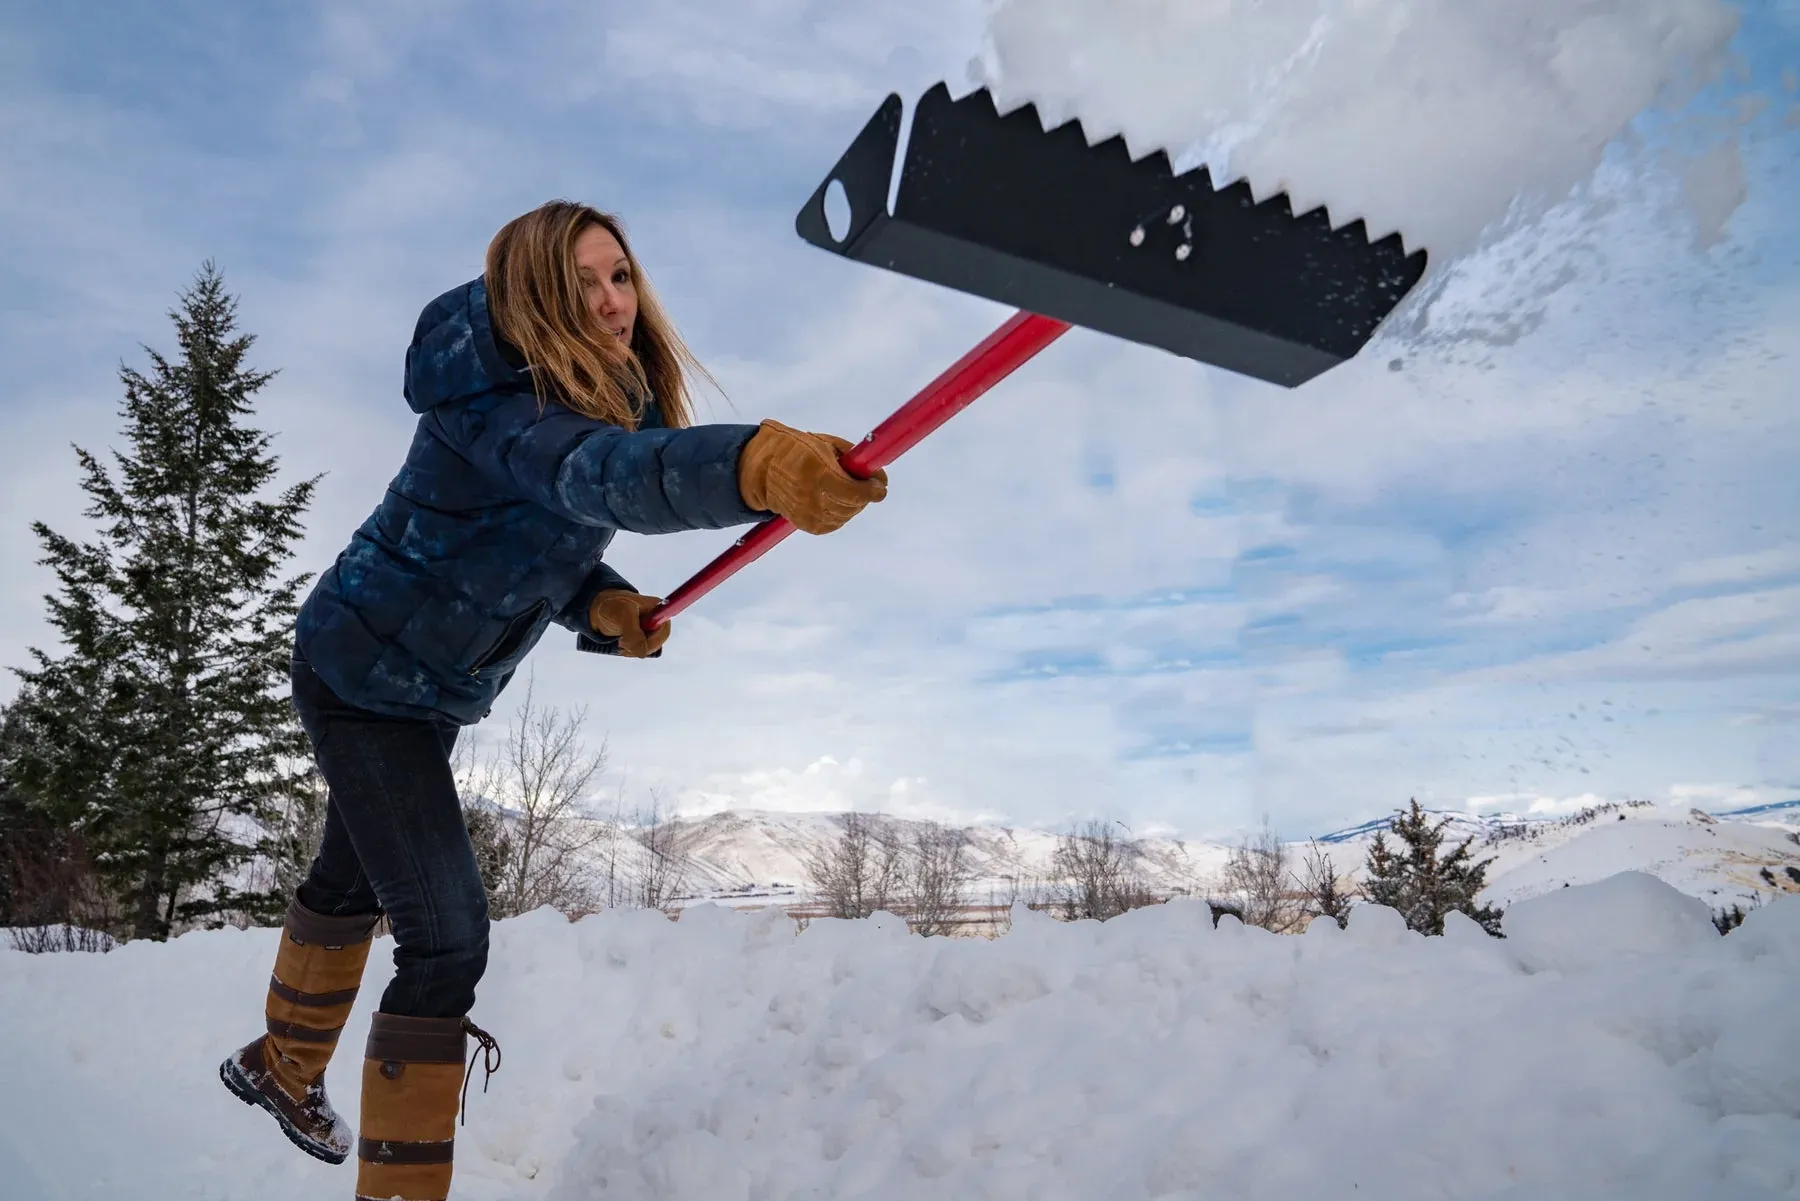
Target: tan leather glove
<point>618,614</point>
<point>795,474</point>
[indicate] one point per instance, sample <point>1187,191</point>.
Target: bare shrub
<point>55,901</point>
<point>1008,891</point>
<point>1256,878</point>
<point>663,872</point>
<point>1325,894</point>
<point>1037,892</point>
<point>859,872</point>
<point>1098,872</point>
<point>42,872</point>
<point>937,876</point>
<point>535,836</point>
<point>612,860</point>
<point>42,940</point>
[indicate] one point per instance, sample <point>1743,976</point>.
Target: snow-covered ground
<point>1615,1046</point>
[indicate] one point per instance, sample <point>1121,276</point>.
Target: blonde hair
<point>535,302</point>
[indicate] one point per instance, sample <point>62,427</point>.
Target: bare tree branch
<point>937,875</point>
<point>535,837</point>
<point>1326,894</point>
<point>1256,876</point>
<point>1099,876</point>
<point>665,865</point>
<point>858,873</point>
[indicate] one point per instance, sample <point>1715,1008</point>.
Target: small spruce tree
<point>1420,881</point>
<point>163,737</point>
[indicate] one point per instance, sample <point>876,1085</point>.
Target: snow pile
<point>724,1058</point>
<point>1430,117</point>
<point>1624,915</point>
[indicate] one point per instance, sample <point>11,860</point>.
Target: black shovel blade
<point>1038,219</point>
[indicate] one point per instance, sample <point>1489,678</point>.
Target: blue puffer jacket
<point>495,525</point>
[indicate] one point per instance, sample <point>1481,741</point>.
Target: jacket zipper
<point>510,638</point>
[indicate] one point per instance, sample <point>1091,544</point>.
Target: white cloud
<point>748,65</point>
<point>1739,570</point>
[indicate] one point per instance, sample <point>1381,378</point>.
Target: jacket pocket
<point>511,639</point>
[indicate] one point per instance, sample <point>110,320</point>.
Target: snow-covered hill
<point>1778,813</point>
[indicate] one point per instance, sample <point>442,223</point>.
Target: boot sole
<point>249,1094</point>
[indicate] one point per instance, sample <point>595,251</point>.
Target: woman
<point>553,411</point>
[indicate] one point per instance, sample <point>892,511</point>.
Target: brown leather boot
<point>412,1069</point>
<point>317,973</point>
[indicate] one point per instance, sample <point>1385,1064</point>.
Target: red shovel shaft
<point>1003,351</point>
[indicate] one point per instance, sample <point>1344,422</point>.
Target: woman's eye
<point>622,278</point>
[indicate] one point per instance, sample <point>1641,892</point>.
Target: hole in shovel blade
<point>837,210</point>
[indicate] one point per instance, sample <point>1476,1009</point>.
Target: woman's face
<point>606,282</point>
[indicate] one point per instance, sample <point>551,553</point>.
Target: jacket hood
<point>454,354</point>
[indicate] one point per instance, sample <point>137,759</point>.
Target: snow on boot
<point>317,973</point>
<point>412,1069</point>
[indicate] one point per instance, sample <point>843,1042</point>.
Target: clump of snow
<point>1436,118</point>
<point>726,1058</point>
<point>1632,913</point>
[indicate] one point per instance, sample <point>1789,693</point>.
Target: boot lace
<point>489,1054</point>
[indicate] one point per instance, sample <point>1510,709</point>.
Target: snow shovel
<point>1073,234</point>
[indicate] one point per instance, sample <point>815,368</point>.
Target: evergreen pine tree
<point>163,738</point>
<point>23,831</point>
<point>1421,882</point>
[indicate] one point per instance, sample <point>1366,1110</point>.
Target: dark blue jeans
<point>395,842</point>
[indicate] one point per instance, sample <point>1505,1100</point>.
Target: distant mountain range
<point>744,853</point>
<point>1787,809</point>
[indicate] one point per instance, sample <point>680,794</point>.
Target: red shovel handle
<point>1004,350</point>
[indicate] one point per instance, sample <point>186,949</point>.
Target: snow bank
<point>723,1058</point>
<point>1632,913</point>
<point>1426,116</point>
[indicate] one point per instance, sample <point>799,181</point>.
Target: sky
<point>1538,545</point>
